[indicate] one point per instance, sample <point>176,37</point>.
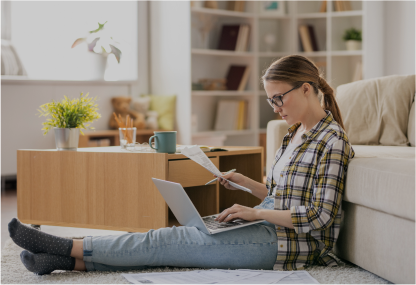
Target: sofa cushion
<point>383,178</point>
<point>376,111</point>
<point>411,125</point>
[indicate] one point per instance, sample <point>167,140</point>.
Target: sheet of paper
<point>263,277</point>
<point>197,155</point>
<point>299,277</point>
<point>239,186</point>
<point>189,277</point>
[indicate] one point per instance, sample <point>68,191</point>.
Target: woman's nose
<point>277,109</point>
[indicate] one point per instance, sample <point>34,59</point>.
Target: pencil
<point>215,179</point>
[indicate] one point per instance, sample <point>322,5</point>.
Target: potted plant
<point>100,43</point>
<point>352,38</point>
<point>67,118</point>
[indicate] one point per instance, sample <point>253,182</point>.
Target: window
<point>43,32</point>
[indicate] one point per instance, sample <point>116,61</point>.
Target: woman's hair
<point>295,69</point>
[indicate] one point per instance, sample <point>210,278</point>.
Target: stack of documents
<point>219,276</point>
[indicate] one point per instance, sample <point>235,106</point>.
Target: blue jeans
<point>251,247</point>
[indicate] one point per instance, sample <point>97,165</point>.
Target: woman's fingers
<point>227,175</point>
<point>221,217</point>
<point>231,217</point>
<point>237,212</point>
<point>228,214</point>
<point>222,181</point>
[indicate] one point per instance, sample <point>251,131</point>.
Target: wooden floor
<point>9,211</point>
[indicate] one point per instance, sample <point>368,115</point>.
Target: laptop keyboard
<point>212,224</point>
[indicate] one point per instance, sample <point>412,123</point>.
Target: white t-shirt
<point>286,156</point>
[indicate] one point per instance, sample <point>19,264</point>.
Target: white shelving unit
<point>191,57</point>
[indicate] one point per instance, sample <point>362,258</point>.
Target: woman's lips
<point>284,117</point>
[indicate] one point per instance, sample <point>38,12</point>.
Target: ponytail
<point>328,101</point>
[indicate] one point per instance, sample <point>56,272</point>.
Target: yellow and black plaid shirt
<point>311,186</point>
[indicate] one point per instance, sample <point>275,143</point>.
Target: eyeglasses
<point>277,99</point>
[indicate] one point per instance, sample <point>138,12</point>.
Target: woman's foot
<point>44,263</point>
<point>37,241</point>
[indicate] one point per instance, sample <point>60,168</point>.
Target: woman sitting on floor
<point>301,201</point>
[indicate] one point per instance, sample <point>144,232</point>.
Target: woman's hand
<point>238,212</point>
<point>234,177</point>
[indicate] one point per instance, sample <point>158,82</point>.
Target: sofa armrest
<point>276,130</point>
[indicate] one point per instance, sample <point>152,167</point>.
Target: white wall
<point>21,127</point>
<point>399,37</point>
<point>171,58</point>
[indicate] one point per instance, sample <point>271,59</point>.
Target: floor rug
<point>13,271</point>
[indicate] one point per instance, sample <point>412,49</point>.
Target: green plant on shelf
<point>352,35</point>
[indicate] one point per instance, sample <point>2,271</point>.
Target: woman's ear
<point>306,88</point>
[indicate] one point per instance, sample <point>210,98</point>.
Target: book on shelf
<point>307,38</point>
<point>313,38</point>
<point>231,115</point>
<point>340,6</point>
<point>323,7</point>
<point>301,49</point>
<point>237,77</point>
<point>337,6</point>
<point>243,82</point>
<point>242,115</point>
<point>229,36</point>
<point>238,6</point>
<point>242,39</point>
<point>347,5</point>
<point>234,37</point>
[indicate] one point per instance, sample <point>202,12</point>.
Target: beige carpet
<point>13,271</point>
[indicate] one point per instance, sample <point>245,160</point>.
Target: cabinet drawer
<point>189,173</point>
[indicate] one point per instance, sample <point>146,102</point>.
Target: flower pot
<point>353,45</point>
<point>66,139</point>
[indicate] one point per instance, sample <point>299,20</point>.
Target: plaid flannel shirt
<point>311,186</point>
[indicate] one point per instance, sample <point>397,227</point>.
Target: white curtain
<point>10,62</point>
<point>5,22</point>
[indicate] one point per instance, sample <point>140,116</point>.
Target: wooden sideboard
<point>109,188</point>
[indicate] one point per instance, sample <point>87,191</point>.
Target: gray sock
<point>37,241</point>
<point>45,263</point>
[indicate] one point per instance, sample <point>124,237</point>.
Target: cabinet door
<point>189,173</point>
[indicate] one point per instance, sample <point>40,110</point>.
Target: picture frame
<point>272,7</point>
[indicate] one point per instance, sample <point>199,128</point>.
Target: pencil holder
<point>127,138</point>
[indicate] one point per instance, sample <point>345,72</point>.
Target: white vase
<point>101,64</point>
<point>353,45</point>
<point>66,139</point>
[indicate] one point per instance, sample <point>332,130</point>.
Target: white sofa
<point>378,225</point>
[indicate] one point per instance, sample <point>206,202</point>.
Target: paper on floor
<point>219,276</point>
<point>261,277</point>
<point>299,277</point>
<point>188,277</point>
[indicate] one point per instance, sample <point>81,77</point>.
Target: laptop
<point>186,213</point>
